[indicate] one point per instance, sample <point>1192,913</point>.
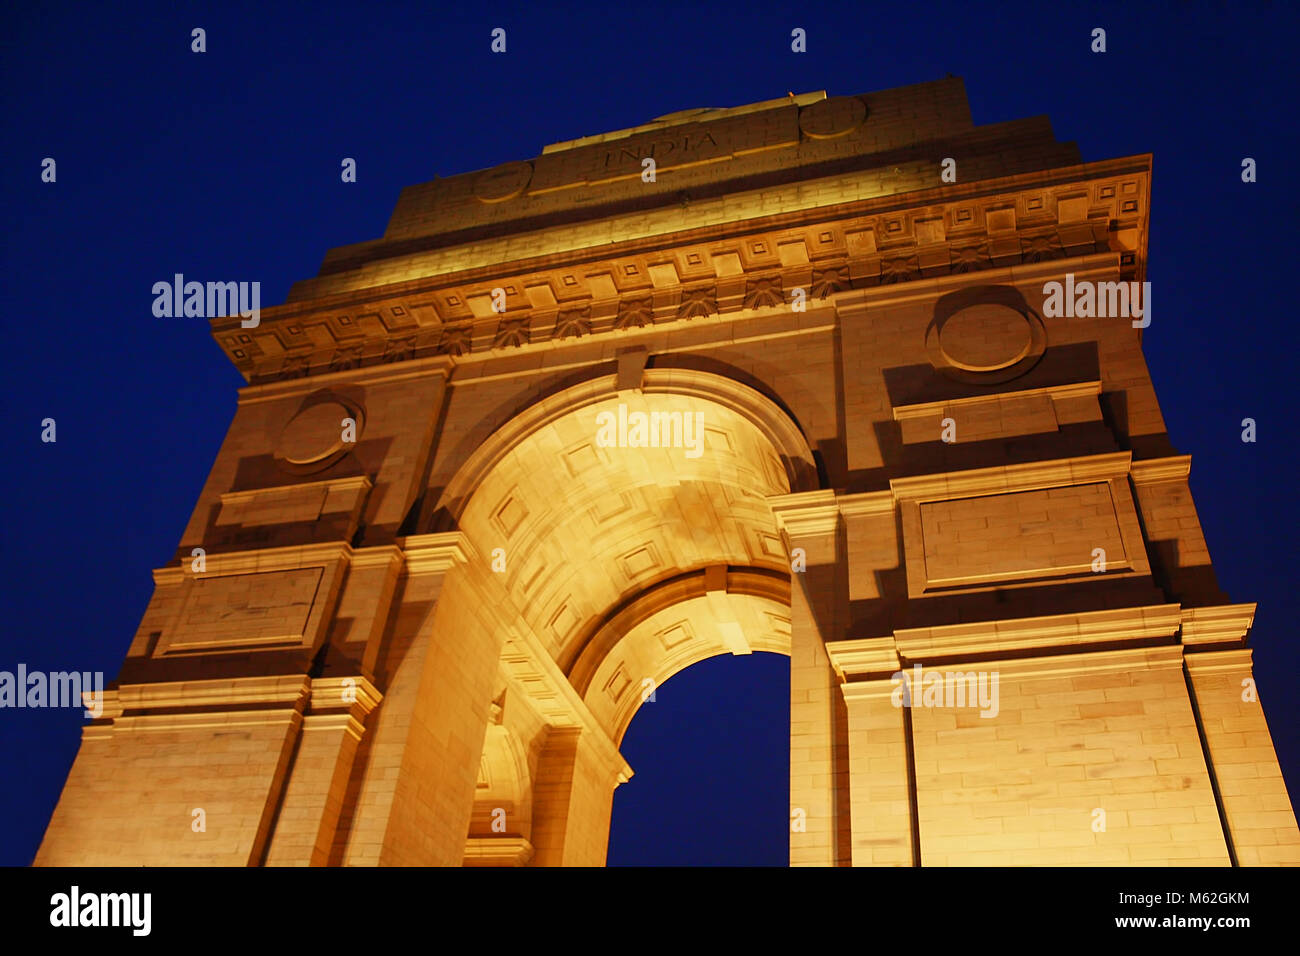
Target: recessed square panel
<point>533,571</point>
<point>715,439</point>
<point>509,514</point>
<point>563,621</point>
<point>610,507</point>
<point>676,634</point>
<point>640,561</point>
<point>617,684</point>
<point>770,545</point>
<point>581,460</point>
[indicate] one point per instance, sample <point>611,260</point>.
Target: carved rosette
<point>970,258</point>
<point>764,293</point>
<point>697,303</point>
<point>573,324</point>
<point>399,350</point>
<point>827,282</point>
<point>899,269</point>
<point>345,359</point>
<point>312,440</point>
<point>455,340</point>
<point>1040,248</point>
<point>511,333</point>
<point>635,314</point>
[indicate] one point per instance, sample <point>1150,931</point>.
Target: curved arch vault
<point>615,565</point>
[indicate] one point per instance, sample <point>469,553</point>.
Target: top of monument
<point>711,168</point>
<point>823,192</point>
<point>698,115</point>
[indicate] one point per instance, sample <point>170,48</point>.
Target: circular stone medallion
<point>829,118</point>
<point>315,434</point>
<point>503,182</point>
<point>985,338</point>
<point>986,343</point>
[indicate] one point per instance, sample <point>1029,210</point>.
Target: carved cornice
<point>748,265</point>
<point>354,694</point>
<point>1090,664</point>
<point>1067,632</point>
<point>1058,393</point>
<point>435,553</point>
<point>221,563</point>
<point>1022,477</point>
<point>806,513</point>
<point>1232,663</point>
<point>236,693</point>
<point>497,851</point>
<point>359,483</point>
<point>1068,635</point>
<point>383,556</point>
<point>867,503</point>
<point>1161,469</point>
<point>1217,626</point>
<point>209,705</point>
<point>863,658</point>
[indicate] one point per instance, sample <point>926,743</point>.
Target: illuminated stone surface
<point>424,646</point>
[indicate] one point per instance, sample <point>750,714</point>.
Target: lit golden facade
<point>421,641</point>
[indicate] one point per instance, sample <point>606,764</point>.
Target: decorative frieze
<point>635,288</point>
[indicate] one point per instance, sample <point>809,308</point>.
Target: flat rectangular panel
<point>1024,534</point>
<point>236,610</point>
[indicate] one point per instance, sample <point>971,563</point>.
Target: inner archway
<point>616,564</point>
<point>720,727</point>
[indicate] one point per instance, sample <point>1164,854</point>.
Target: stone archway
<point>690,618</point>
<point>347,684</point>
<point>615,568</point>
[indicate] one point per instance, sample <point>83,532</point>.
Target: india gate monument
<point>845,378</point>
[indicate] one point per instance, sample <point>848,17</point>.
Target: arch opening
<point>721,727</point>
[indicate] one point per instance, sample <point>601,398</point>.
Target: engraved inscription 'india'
<point>659,149</point>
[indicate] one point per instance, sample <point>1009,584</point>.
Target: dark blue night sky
<point>227,164</point>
